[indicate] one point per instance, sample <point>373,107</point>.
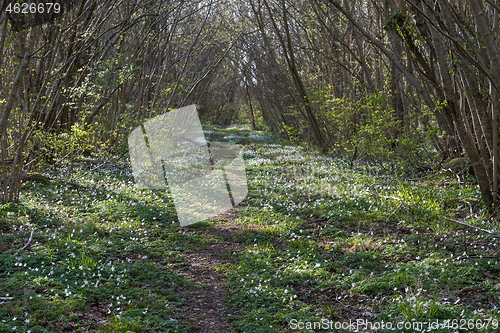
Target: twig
<point>477,256</point>
<point>473,227</point>
<point>29,241</point>
<point>383,196</point>
<point>389,197</point>
<point>388,217</point>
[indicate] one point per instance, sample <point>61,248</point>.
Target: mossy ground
<point>316,238</point>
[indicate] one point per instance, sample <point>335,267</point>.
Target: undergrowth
<point>323,239</point>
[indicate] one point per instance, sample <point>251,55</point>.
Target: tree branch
<point>29,241</point>
<point>473,227</point>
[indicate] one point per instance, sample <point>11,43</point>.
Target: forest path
<point>208,310</point>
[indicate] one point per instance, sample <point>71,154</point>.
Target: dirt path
<point>208,311</point>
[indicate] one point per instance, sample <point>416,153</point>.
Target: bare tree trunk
<point>11,181</point>
<point>461,123</point>
<point>292,65</point>
<point>250,107</point>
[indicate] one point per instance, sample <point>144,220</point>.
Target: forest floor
<point>318,241</point>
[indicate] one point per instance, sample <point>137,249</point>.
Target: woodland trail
<point>209,311</point>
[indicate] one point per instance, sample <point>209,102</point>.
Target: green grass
<point>320,239</point>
